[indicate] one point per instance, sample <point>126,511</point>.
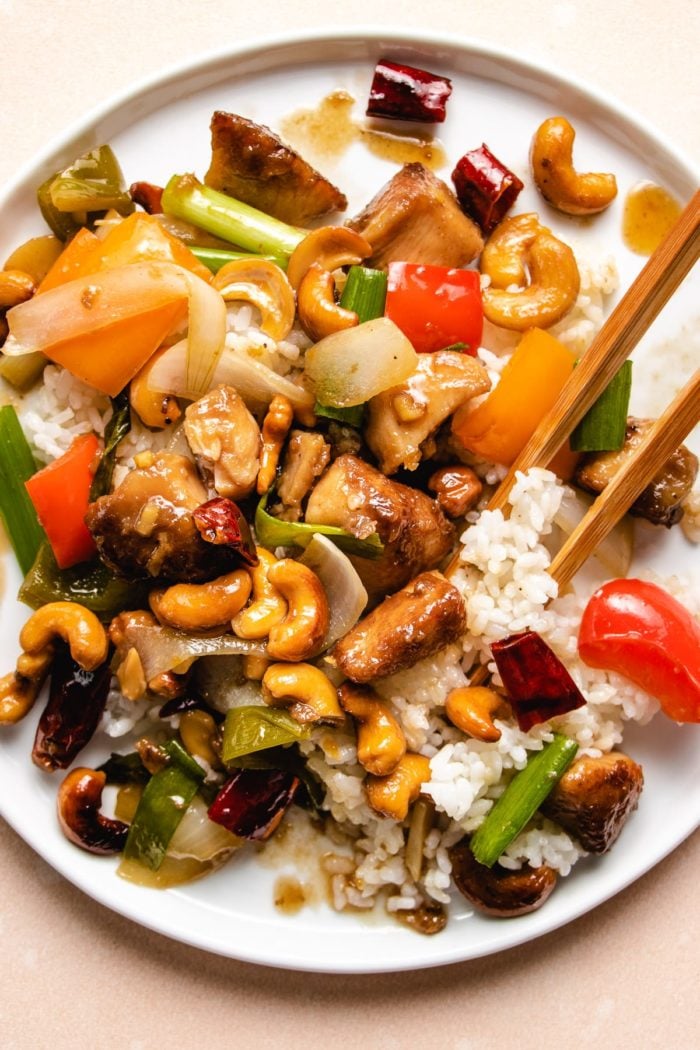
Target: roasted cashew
<point>131,677</point>
<point>18,693</point>
<point>268,607</point>
<point>79,798</point>
<point>155,410</point>
<point>76,625</point>
<point>265,285</point>
<point>319,314</point>
<point>472,710</point>
<point>554,285</point>
<point>309,694</point>
<point>275,428</point>
<point>559,183</point>
<point>198,606</point>
<point>505,252</point>
<point>381,743</point>
<point>199,734</point>
<point>391,796</point>
<point>303,629</point>
<point>330,247</point>
<point>15,288</point>
<point>167,684</point>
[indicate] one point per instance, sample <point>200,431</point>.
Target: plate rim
<point>208,61</point>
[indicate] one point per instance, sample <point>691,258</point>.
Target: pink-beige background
<point>76,975</point>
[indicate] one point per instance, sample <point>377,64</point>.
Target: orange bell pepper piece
<point>60,494</point>
<point>530,383</point>
<point>78,258</point>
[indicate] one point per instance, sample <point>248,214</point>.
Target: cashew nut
<point>319,314</point>
<point>392,795</point>
<point>155,410</point>
<point>199,734</point>
<point>15,288</point>
<point>504,254</point>
<point>309,694</point>
<point>275,428</point>
<point>267,609</point>
<point>79,799</point>
<point>76,625</point>
<point>198,606</point>
<point>18,693</point>
<point>381,743</point>
<point>303,629</point>
<point>330,247</point>
<point>554,285</point>
<point>560,185</point>
<point>166,684</point>
<point>472,710</point>
<point>265,285</point>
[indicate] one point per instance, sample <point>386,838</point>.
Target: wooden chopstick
<point>661,440</point>
<point>639,306</point>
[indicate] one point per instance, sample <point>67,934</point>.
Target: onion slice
<point>346,595</point>
<point>351,366</point>
<point>162,649</point>
<point>256,383</point>
<point>616,550</point>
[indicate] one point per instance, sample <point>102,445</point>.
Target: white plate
<point>162,127</point>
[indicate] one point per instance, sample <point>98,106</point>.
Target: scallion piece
<point>602,429</point>
<point>187,198</point>
<point>116,430</point>
<point>163,804</point>
<point>16,509</point>
<point>365,294</point>
<point>522,798</point>
<point>215,258</point>
<point>271,532</point>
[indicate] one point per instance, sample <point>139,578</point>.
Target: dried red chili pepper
<point>76,701</point>
<point>405,93</point>
<point>220,522</point>
<point>486,189</point>
<point>147,196</point>
<point>539,686</point>
<point>252,803</point>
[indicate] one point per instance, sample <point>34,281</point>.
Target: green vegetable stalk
<point>215,258</point>
<point>522,798</point>
<point>16,509</point>
<point>187,198</point>
<point>603,427</point>
<point>162,806</point>
<point>271,533</point>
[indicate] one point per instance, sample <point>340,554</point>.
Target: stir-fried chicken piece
<point>400,419</point>
<point>226,441</point>
<point>594,798</point>
<point>415,533</point>
<point>660,502</point>
<point>250,163</point>
<point>306,458</point>
<point>145,528</point>
<point>415,218</point>
<point>416,622</point>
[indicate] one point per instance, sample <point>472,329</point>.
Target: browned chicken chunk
<point>145,528</point>
<point>226,441</point>
<point>306,458</point>
<point>416,534</point>
<point>457,489</point>
<point>415,217</point>
<point>400,419</point>
<point>498,891</point>
<point>250,163</point>
<point>660,502</point>
<point>594,798</point>
<point>416,622</point>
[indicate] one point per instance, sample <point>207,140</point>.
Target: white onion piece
<point>199,838</point>
<point>616,550</point>
<point>256,383</point>
<point>162,649</point>
<point>349,367</point>
<point>118,294</point>
<point>346,595</point>
<point>223,685</point>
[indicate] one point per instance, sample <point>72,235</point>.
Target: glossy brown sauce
<point>649,213</point>
<point>290,895</point>
<point>328,130</point>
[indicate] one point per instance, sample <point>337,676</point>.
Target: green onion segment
<point>16,509</point>
<point>602,429</point>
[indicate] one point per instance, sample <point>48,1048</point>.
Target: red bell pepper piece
<point>60,494</point>
<point>402,92</point>
<point>435,307</point>
<point>539,686</point>
<point>642,632</point>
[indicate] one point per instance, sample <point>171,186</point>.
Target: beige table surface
<point>74,974</point>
